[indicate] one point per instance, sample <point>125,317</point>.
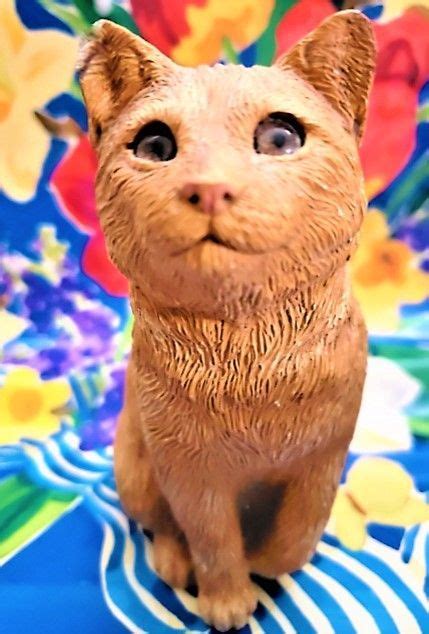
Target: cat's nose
<point>208,197</point>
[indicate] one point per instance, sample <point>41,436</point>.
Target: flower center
<point>393,259</point>
<point>25,404</point>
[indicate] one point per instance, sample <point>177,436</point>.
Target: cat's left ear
<point>338,59</point>
<point>114,66</point>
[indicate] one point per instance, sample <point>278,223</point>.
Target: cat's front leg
<point>205,509</point>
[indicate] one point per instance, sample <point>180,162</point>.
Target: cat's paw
<point>225,611</point>
<point>171,561</point>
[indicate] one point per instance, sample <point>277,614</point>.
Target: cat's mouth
<point>212,237</point>
<point>209,238</point>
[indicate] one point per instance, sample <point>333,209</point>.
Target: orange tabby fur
<point>248,358</point>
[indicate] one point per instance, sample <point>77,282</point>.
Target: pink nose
<point>208,198</point>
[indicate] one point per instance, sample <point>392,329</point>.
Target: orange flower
<point>385,274</point>
<point>238,21</point>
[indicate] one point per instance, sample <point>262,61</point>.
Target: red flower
<point>301,18</point>
<point>163,22</point>
<point>73,181</point>
<point>402,69</point>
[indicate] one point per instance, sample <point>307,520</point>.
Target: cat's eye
<point>280,133</point>
<point>155,142</point>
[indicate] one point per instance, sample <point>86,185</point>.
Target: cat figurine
<point>231,198</point>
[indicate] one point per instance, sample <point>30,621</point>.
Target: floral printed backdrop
<point>70,560</point>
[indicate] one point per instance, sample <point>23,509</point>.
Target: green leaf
<point>124,345</point>
<point>27,510</point>
<point>410,195</point>
<point>423,113</point>
<point>229,51</point>
<point>266,44</point>
<point>75,90</point>
<point>118,15</point>
<point>419,426</point>
<point>67,15</point>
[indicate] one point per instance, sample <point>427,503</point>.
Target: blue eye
<point>279,134</point>
<point>155,142</point>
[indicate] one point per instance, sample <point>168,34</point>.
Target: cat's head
<point>220,188</point>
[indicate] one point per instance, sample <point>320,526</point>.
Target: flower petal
<point>24,144</point>
<point>45,66</point>
<point>241,22</point>
<point>22,375</point>
<point>412,512</point>
<point>12,32</point>
<point>43,426</point>
<point>74,184</point>
<point>347,522</point>
<point>11,326</point>
<point>56,393</point>
<point>98,266</point>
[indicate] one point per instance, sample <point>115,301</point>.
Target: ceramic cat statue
<point>231,198</point>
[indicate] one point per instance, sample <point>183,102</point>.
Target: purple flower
<point>100,431</point>
<point>415,234</point>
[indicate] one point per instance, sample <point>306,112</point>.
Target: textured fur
<point>248,359</point>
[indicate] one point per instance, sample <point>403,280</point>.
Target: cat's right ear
<point>114,65</point>
<point>338,59</point>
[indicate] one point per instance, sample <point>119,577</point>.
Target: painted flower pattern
<point>401,72</point>
<point>197,31</point>
<point>35,66</point>
<point>66,327</point>
<point>28,404</point>
<point>73,181</point>
<point>385,275</point>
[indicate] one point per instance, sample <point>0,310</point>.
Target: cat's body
<point>249,351</point>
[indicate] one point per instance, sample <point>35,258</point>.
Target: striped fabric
<point>376,590</point>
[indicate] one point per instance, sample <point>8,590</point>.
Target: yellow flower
<point>34,67</point>
<point>239,21</point>
<point>385,274</point>
<point>376,490</point>
<point>27,405</point>
<point>394,8</point>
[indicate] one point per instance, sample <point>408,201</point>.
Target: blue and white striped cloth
<point>376,590</point>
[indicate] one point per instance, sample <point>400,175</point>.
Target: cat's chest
<point>257,370</point>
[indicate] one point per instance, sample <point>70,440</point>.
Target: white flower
<point>382,425</point>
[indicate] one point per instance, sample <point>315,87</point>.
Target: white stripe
<point>146,597</point>
<point>385,553</point>
<point>393,604</point>
<point>306,605</point>
<point>128,563</point>
<point>360,618</point>
<point>111,494</point>
<point>189,602</point>
<point>86,475</point>
<point>106,551</point>
<point>38,461</point>
<point>275,612</point>
<point>105,508</point>
<point>418,563</point>
<point>70,440</point>
<point>255,628</point>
